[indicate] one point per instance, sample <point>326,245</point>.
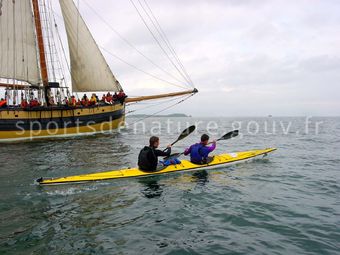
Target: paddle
<point>184,134</point>
<point>227,136</point>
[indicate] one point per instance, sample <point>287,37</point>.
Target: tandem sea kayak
<point>185,165</point>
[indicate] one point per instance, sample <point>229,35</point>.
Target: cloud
<point>252,57</point>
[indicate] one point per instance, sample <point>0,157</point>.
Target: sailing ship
<point>27,73</point>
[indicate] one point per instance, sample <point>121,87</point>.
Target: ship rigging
<point>42,76</point>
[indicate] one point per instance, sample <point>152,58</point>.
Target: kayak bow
<point>218,161</point>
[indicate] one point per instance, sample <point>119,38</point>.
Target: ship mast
<point>40,40</point>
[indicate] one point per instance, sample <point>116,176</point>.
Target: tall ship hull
<point>28,124</point>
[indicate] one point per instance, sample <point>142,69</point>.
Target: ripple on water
<point>286,204</point>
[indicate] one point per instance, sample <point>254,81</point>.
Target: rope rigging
<point>123,60</point>
<point>140,70</point>
<point>162,34</point>
<point>47,34</point>
<point>158,42</point>
<point>129,43</point>
<point>162,110</point>
<point>151,105</point>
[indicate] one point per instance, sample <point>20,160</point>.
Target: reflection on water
<point>151,187</point>
<point>201,177</point>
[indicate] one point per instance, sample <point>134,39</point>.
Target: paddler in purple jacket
<point>199,152</point>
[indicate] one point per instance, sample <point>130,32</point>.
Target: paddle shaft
<point>225,137</point>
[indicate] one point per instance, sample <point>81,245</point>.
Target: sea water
<point>287,203</point>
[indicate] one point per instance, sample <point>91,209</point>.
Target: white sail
<point>89,70</point>
<point>18,52</point>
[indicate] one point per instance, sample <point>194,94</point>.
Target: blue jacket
<point>199,152</point>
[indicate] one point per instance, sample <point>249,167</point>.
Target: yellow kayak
<point>185,165</point>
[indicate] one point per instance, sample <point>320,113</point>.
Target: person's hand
<point>169,146</point>
<point>214,141</point>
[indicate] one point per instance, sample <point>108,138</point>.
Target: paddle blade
<point>185,133</point>
<point>229,135</point>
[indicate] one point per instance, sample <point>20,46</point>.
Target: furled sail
<point>18,52</point>
<point>89,70</point>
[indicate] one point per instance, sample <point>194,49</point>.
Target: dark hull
<point>42,122</point>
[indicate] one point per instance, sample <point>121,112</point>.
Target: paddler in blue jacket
<point>199,152</point>
<point>148,156</point>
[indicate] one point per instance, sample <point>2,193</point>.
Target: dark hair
<point>204,138</point>
<point>153,139</point>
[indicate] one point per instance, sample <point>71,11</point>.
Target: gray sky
<point>246,57</point>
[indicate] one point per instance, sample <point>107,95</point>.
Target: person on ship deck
<point>3,103</point>
<point>51,101</point>
<point>199,152</point>
<point>85,100</point>
<point>93,100</point>
<point>108,98</point>
<point>121,96</point>
<point>115,97</point>
<point>66,101</point>
<point>24,103</point>
<point>73,101</point>
<point>34,103</point>
<point>78,102</point>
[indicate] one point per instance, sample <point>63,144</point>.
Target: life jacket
<point>147,159</point>
<point>196,154</point>
<point>24,104</point>
<point>34,103</point>
<point>108,99</point>
<point>3,103</point>
<point>74,101</point>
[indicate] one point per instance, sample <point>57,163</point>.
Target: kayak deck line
<point>184,166</point>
